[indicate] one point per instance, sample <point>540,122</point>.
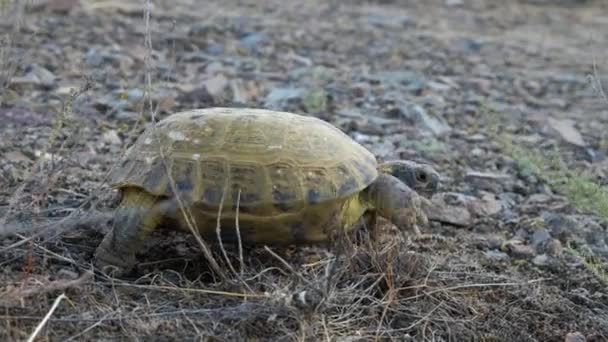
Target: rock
<point>203,27</point>
<point>541,260</point>
<point>496,255</point>
<point>15,156</point>
<point>448,208</point>
<point>521,234</point>
<point>540,237</point>
<point>111,137</point>
<point>94,58</point>
<point>135,94</point>
<point>429,146</point>
<point>252,41</point>
<point>554,248</point>
<point>476,138</point>
<point>575,337</point>
<point>459,209</point>
<point>489,241</point>
<point>471,45</point>
<point>119,105</point>
<point>488,205</point>
<point>398,78</point>
<point>566,130</point>
<point>389,21</point>
<point>538,199</point>
<point>477,152</point>
<point>62,6</point>
<point>215,49</point>
<point>417,115</point>
<point>17,116</point>
<point>560,226</point>
<point>165,101</point>
<point>595,155</point>
<point>453,3</point>
<point>278,98</point>
<point>360,89</point>
<point>520,251</point>
<point>35,75</point>
<point>216,86</point>
<point>192,57</point>
<point>315,100</point>
<point>438,86</point>
<point>350,113</point>
<point>66,273</point>
<point>214,68</point>
<point>489,181</point>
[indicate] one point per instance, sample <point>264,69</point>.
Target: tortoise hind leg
<point>138,215</point>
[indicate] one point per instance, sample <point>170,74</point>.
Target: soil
<point>510,257</point>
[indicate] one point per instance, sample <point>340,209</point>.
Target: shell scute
<point>184,175</point>
<point>247,180</point>
<point>283,183</point>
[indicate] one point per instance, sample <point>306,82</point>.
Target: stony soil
<point>463,85</point>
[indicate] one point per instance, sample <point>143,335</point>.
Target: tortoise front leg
<point>370,221</point>
<point>138,215</point>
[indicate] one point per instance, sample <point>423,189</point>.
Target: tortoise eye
<point>421,176</point>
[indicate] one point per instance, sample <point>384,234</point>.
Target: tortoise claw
<point>113,264</point>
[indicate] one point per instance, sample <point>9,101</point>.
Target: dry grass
<point>383,293</point>
<point>382,290</point>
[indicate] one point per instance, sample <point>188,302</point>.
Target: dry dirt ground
<point>468,86</point>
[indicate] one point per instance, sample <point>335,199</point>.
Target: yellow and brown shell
<point>270,162</point>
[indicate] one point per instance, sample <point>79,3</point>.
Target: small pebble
<point>575,337</point>
<point>541,260</point>
<point>554,248</point>
<point>496,255</point>
<point>111,137</point>
<point>521,251</point>
<point>540,236</point>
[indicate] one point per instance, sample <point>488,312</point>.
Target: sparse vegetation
<point>493,280</point>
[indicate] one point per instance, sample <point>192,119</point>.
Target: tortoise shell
<point>266,162</point>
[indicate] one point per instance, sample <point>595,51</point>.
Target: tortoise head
<point>422,178</point>
<point>394,200</point>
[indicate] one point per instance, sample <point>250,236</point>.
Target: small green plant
<point>584,193</point>
<point>591,261</point>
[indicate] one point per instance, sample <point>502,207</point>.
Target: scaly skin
<point>138,215</point>
<point>422,178</point>
<point>392,199</point>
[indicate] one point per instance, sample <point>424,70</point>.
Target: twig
<point>286,264</point>
<point>468,286</point>
<point>89,328</point>
<point>247,308</point>
<point>75,219</point>
<point>190,222</point>
<point>238,233</point>
<point>17,293</point>
<point>218,228</point>
<point>46,318</point>
<point>177,289</point>
<point>423,318</point>
<point>391,297</point>
<point>221,243</point>
<point>596,77</point>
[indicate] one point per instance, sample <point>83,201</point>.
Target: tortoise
<point>292,179</point>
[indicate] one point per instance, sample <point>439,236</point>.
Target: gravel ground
<point>503,98</point>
